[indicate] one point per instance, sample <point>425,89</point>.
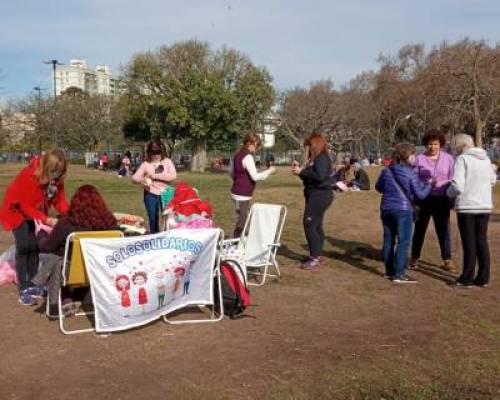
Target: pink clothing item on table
<point>195,224</point>
<point>441,169</point>
<point>160,179</point>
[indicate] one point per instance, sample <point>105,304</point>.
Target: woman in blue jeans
<point>400,187</point>
<point>156,173</point>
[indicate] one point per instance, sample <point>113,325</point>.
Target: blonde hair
<point>51,161</point>
<point>462,142</point>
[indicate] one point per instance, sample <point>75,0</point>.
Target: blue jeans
<point>397,224</point>
<point>153,203</point>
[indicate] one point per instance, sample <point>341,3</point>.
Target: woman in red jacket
<point>28,198</point>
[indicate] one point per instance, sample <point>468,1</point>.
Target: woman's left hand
<point>296,170</point>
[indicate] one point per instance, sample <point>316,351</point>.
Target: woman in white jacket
<point>472,181</point>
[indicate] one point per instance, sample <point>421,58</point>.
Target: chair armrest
<point>226,242</point>
<point>274,245</point>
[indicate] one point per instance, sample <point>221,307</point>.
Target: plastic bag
<point>7,266</point>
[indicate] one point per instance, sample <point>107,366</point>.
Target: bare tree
<point>315,109</point>
<point>469,82</point>
<point>87,121</point>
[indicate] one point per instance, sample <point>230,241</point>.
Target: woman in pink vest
<point>244,174</point>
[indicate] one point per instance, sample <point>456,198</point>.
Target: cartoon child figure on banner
<point>179,273</point>
<point>161,288</point>
<point>187,275</point>
<point>122,283</point>
<point>139,279</point>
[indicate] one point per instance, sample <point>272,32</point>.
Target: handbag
<point>451,195</point>
<point>416,207</point>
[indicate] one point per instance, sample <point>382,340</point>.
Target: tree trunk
<point>199,161</point>
<point>478,135</point>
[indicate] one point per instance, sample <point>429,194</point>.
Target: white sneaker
<point>404,279</point>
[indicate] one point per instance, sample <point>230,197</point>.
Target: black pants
<point>437,207</point>
<point>316,205</point>
<point>473,232</point>
<point>242,209</point>
<point>26,253</point>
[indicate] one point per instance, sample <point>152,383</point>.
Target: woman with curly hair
<point>434,167</point>
<point>87,212</point>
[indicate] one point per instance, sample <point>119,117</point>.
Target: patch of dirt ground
<point>343,332</point>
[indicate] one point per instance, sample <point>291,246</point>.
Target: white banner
<point>136,280</point>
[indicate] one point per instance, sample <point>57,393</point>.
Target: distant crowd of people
<point>124,165</point>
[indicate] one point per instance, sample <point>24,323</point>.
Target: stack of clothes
<point>187,210</point>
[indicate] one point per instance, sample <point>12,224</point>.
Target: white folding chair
<point>260,240</point>
<point>213,317</point>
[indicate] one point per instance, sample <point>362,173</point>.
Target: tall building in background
<point>78,74</point>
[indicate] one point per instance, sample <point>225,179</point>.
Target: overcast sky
<point>298,41</point>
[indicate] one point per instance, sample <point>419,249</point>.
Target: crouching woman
<point>28,198</point>
<point>400,187</point>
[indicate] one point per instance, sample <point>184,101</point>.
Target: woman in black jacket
<point>317,180</point>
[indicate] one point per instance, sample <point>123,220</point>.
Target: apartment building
<point>92,81</point>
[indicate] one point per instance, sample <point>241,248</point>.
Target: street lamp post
<point>54,63</point>
<point>38,121</point>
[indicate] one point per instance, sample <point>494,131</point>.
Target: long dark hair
<point>155,146</point>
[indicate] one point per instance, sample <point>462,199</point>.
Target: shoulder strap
<point>401,190</point>
<point>234,264</point>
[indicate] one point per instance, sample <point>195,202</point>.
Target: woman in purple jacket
<point>434,166</point>
<point>400,187</point>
